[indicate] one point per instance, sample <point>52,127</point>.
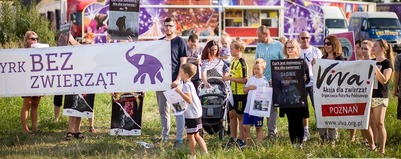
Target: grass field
<point>50,142</point>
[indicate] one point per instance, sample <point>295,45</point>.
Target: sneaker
<point>230,143</point>
<point>178,143</point>
<point>306,136</point>
<point>240,143</point>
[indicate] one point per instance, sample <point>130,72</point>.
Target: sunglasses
<point>327,43</point>
<point>304,38</point>
<point>34,39</point>
<point>291,47</point>
<point>168,26</point>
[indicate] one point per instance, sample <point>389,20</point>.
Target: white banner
<point>99,68</point>
<point>343,92</point>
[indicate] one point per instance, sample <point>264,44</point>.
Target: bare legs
<point>32,104</point>
<point>378,116</point>
<point>193,139</point>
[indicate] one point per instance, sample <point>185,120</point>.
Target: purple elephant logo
<point>146,64</point>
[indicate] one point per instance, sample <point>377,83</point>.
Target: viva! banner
<point>83,69</point>
<point>343,92</point>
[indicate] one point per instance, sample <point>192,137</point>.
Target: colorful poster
<point>95,18</point>
<point>288,81</point>
<point>64,34</point>
<point>126,114</point>
<point>348,44</point>
<point>299,15</point>
<point>203,22</point>
<point>124,19</point>
<point>76,105</point>
<point>261,102</point>
<point>98,68</point>
<point>343,92</point>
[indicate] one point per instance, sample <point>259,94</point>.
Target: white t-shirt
<point>258,82</point>
<point>309,54</point>
<point>194,109</point>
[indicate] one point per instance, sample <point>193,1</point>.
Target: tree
<point>16,19</point>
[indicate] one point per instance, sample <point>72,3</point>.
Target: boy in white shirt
<point>193,113</point>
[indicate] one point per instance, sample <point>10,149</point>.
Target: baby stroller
<point>214,106</point>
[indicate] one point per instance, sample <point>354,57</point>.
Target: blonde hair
<point>26,37</point>
<point>238,44</point>
<point>189,68</point>
<point>283,39</point>
<point>295,45</point>
<point>225,37</point>
<point>367,42</point>
<point>388,50</point>
<point>261,62</point>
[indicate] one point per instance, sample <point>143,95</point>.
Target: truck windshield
<point>384,23</point>
<point>336,23</point>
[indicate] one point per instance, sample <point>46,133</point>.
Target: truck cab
<point>334,19</point>
<point>377,25</point>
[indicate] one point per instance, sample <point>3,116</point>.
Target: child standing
<point>193,113</point>
<point>238,78</point>
<point>255,81</point>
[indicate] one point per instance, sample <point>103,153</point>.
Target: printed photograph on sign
<point>126,116</point>
<point>77,106</point>
<point>123,20</point>
<point>261,105</point>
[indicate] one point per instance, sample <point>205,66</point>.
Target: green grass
<point>50,143</point>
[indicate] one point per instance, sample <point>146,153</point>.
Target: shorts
<point>193,125</point>
<point>379,101</point>
<point>239,103</point>
<point>252,120</point>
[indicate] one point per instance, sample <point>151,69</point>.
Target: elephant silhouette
<point>146,64</point>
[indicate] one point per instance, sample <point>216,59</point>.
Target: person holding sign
<point>332,50</point>
<point>178,57</point>
<point>384,68</point>
<point>258,80</point>
<point>238,77</point>
<point>30,102</point>
<point>295,115</point>
<point>193,113</point>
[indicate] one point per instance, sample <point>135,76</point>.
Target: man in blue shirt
<point>269,49</point>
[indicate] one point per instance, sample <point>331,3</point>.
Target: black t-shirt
<point>178,50</point>
<point>381,91</point>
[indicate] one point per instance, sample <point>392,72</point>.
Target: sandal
<point>69,136</point>
<point>92,129</point>
<point>79,135</point>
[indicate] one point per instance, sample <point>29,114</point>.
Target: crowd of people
<point>193,64</point>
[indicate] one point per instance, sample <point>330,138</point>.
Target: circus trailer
<point>242,19</point>
<point>200,17</point>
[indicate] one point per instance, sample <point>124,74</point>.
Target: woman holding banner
<point>332,50</point>
<point>384,68</point>
<point>295,115</point>
<point>30,102</point>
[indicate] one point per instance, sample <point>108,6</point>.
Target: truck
<point>377,25</point>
